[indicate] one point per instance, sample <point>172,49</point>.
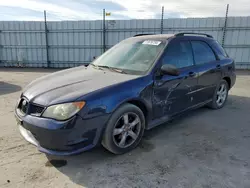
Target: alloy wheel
<point>126,130</point>
<point>221,95</point>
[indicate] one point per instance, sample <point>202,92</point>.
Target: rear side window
<point>202,52</point>
<point>219,50</point>
<point>179,54</point>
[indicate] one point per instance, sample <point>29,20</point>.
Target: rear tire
<point>220,95</point>
<point>124,129</point>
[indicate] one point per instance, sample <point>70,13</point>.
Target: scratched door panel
<point>173,94</point>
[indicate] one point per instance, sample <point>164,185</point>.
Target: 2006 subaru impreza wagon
<point>138,84</point>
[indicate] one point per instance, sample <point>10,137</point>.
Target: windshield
<point>131,56</point>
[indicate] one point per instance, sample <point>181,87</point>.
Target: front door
<point>173,94</point>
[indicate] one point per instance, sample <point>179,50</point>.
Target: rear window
<point>202,52</point>
<point>219,50</point>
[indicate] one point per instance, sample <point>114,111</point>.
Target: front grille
<point>29,108</point>
<point>23,106</point>
<point>35,109</point>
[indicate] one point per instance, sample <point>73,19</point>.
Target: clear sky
<point>120,9</point>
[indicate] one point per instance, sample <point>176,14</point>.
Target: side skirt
<point>167,118</point>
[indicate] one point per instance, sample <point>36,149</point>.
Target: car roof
<point>199,36</point>
<point>152,37</point>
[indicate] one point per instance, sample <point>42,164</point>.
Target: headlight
<point>63,111</point>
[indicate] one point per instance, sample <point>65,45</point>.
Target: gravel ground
<point>206,148</point>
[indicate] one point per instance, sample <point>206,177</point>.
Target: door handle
<point>218,67</point>
<point>192,74</point>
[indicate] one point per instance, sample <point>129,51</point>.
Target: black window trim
<point>158,62</point>
<point>215,55</point>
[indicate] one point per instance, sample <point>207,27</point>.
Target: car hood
<point>68,85</point>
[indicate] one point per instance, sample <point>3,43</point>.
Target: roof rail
<point>138,35</point>
<point>190,33</point>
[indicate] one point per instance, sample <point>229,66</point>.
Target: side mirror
<point>170,70</point>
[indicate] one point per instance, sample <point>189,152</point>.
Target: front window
<point>131,56</point>
<point>179,54</point>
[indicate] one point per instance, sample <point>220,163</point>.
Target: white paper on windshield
<point>152,42</point>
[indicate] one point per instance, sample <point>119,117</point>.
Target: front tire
<point>220,95</point>
<point>124,129</point>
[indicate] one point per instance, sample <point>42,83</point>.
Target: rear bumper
<point>233,79</point>
<point>62,138</point>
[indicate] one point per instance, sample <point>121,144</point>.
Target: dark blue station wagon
<point>138,84</point>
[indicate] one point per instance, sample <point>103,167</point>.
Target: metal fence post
<point>46,39</point>
<point>1,47</point>
<point>225,26</point>
<point>162,17</point>
<point>104,31</point>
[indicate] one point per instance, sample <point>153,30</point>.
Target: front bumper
<point>62,138</point>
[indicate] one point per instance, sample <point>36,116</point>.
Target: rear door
<point>208,68</point>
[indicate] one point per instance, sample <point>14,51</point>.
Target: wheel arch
<point>142,105</point>
<point>228,80</point>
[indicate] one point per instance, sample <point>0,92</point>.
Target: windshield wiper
<point>97,66</point>
<point>104,66</point>
<point>119,70</point>
<point>100,66</point>
<point>110,68</point>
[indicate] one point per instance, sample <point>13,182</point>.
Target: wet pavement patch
<point>56,163</point>
<point>146,146</point>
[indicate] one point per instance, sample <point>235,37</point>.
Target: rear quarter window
<point>219,50</point>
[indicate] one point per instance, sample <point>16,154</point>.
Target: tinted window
<point>219,50</point>
<point>179,54</point>
<point>202,52</point>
